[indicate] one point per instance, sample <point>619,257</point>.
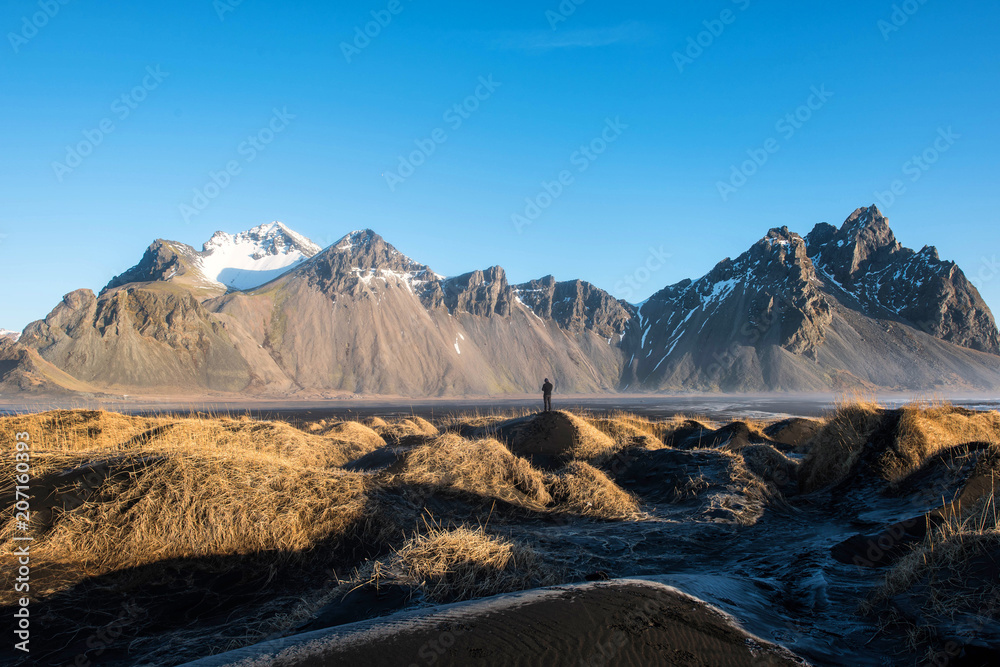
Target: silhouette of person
<point>547,395</point>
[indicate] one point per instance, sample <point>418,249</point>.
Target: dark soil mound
<point>795,431</point>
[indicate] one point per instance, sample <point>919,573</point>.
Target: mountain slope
<point>361,317</point>
<point>227,261</point>
<point>141,337</point>
<point>842,308</point>
<point>864,258</point>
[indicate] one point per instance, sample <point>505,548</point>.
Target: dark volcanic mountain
<point>864,259</point>
<point>840,308</point>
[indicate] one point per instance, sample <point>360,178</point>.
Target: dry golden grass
<point>109,433</point>
<point>628,431</point>
<point>927,430</point>
<point>483,467</point>
<point>748,494</point>
<point>580,488</point>
<point>176,496</point>
<point>147,507</point>
<point>835,448</point>
<point>922,432</point>
<point>588,442</point>
<point>396,430</point>
<point>348,432</point>
<point>450,564</point>
<point>113,492</point>
<point>668,430</point>
<point>479,419</point>
<point>74,430</point>
<point>954,572</point>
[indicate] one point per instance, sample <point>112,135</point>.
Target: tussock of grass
<point>835,448</point>
<point>588,442</point>
<point>348,432</point>
<point>581,440</point>
<point>953,576</point>
<point>143,508</point>
<point>477,420</point>
<point>580,488</point>
<point>922,432</point>
<point>629,431</point>
<point>927,430</point>
<point>395,431</point>
<point>747,494</point>
<point>670,431</point>
<point>771,466</point>
<point>484,467</point>
<point>451,564</point>
<point>108,432</point>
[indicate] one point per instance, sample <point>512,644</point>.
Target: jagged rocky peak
<point>785,246</point>
<point>483,293</point>
<point>162,261</point>
<point>779,262</point>
<point>864,259</point>
<point>360,258</point>
<point>865,240</point>
<point>768,296</point>
<point>577,306</point>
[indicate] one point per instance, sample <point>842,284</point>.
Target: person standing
<point>547,395</point>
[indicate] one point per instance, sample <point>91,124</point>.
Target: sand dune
<point>625,622</point>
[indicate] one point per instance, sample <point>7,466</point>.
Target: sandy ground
<point>625,622</point>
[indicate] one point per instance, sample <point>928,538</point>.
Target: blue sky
<point>199,78</point>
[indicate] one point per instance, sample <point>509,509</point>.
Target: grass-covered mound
<point>890,443</point>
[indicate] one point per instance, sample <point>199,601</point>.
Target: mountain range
<point>268,312</point>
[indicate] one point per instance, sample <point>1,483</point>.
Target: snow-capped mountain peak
<point>249,259</point>
<point>13,335</point>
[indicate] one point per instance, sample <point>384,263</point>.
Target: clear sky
<point>158,96</point>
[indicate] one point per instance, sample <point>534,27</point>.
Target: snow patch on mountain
<point>252,258</point>
<point>13,335</point>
